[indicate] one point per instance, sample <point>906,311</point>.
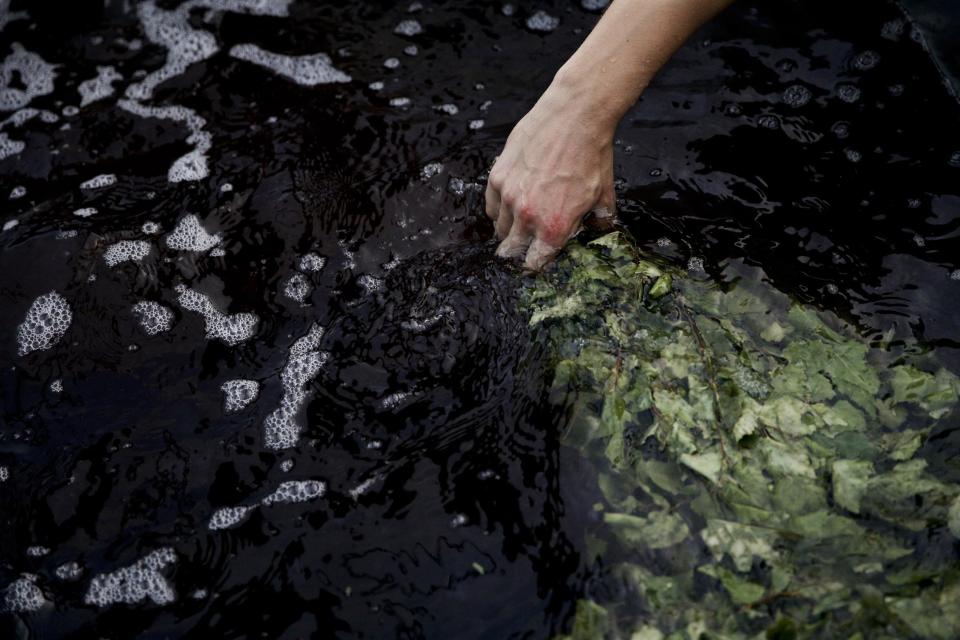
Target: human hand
<point>556,167</point>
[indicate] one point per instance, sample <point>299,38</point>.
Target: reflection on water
<point>270,379</point>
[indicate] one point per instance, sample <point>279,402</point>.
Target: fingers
<point>540,254</point>
<point>504,222</point>
<point>491,201</point>
<point>515,244</point>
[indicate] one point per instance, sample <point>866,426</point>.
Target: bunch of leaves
<point>758,460</point>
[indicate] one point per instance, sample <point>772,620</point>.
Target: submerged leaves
<point>768,436</point>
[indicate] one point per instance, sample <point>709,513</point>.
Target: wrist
<point>570,96</point>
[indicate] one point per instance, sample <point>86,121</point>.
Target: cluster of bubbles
<point>238,393</point>
<point>154,318</point>
<point>135,583</point>
<point>99,182</point>
<point>189,235</point>
<point>289,491</point>
<point>47,320</point>
<point>231,329</point>
<point>542,21</point>
<point>23,594</point>
<point>307,70</point>
<point>297,288</point>
<point>126,250</point>
<point>282,428</point>
<point>98,87</point>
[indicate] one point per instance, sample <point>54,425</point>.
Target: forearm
<point>619,58</point>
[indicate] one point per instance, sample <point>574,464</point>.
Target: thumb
<point>540,254</point>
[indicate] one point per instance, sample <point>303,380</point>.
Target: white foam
<point>308,70</point>
<point>37,551</point>
<point>297,288</point>
<point>594,5</point>
<point>543,22</point>
<point>411,50</point>
<point>10,224</point>
<point>363,487</point>
<point>394,400</point>
<point>47,320</point>
<point>797,95</point>
<point>126,250</point>
<point>23,594</point>
<point>136,583</point>
<point>56,386</point>
<point>226,187</point>
<point>239,393</point>
<point>286,465</point>
<point>431,169</point>
<point>35,74</point>
<point>401,103</point>
<point>70,110</point>
<point>695,264</point>
<point>10,147</point>
<point>371,284</point>
<point>69,571</point>
<point>231,329</point>
<point>296,491</point>
<point>154,317</point>
<point>228,517</point>
<point>193,165</point>
<point>391,63</point>
<point>281,429</point>
<point>311,262</point>
<point>4,473</point>
<point>376,86</point>
<point>188,235</point>
<point>66,234</point>
<point>98,87</point>
<point>100,181</point>
<point>184,44</point>
<point>18,192</point>
<point>449,108</point>
<point>85,212</point>
<point>408,28</point>
<point>150,228</point>
<point>476,124</point>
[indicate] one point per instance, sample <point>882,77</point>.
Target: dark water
<point>821,146</point>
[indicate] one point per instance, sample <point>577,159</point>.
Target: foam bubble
<point>401,103</point>
<point>282,428</point>
<point>10,224</point>
<point>47,320</point>
<point>394,400</point>
<point>66,234</point>
<point>23,594</point>
<point>411,50</point>
<point>853,155</point>
<point>391,63</point>
<point>308,70</point>
<point>126,250</point>
<point>371,284</point>
<point>37,551</point>
<point>228,517</point>
<point>36,77</point>
<point>69,571</point>
<point>363,487</point>
<point>193,165</point>
<point>188,235</point>
<point>150,228</point>
<point>866,60</point>
<point>449,108</point>
<point>18,192</point>
<point>10,147</point>
<point>286,465</point>
<point>408,28</point>
<point>239,393</point>
<point>136,583</point>
<point>508,9</point>
<point>543,22</point>
<point>56,386</point>
<point>955,274</point>
<point>311,262</point>
<point>431,169</point>
<point>797,95</point>
<point>848,92</point>
<point>70,110</point>
<point>231,329</point>
<point>892,30</point>
<point>226,187</point>
<point>99,87</point>
<point>4,473</point>
<point>594,5</point>
<point>199,594</point>
<point>296,491</point>
<point>154,317</point>
<point>217,252</point>
<point>100,181</point>
<point>297,288</point>
<point>85,212</point>
<point>695,264</point>
<point>375,86</point>
<point>473,125</point>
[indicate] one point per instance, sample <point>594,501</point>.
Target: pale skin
<point>557,164</point>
